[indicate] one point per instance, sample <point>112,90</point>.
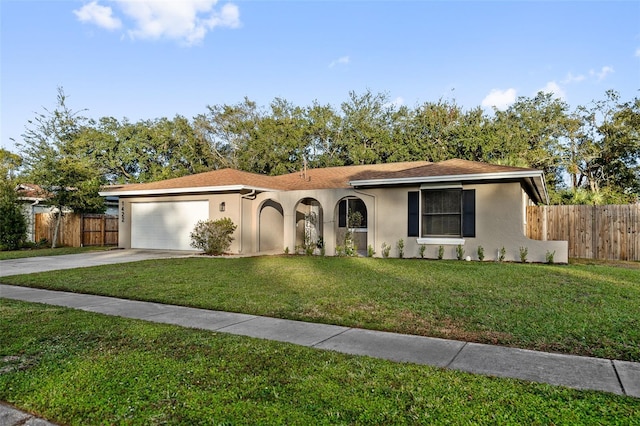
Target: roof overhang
<point>178,191</point>
<point>33,200</point>
<point>534,180</point>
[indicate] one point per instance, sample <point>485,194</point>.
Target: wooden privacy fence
<point>593,232</point>
<point>78,230</point>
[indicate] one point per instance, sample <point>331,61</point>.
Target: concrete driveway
<point>94,258</point>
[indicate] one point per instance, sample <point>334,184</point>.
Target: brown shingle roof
<point>222,177</point>
<point>323,178</point>
<point>452,167</point>
<point>338,177</point>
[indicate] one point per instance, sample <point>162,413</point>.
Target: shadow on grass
<point>584,310</point>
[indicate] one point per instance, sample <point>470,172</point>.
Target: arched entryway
<point>271,224</point>
<point>309,220</point>
<point>351,220</point>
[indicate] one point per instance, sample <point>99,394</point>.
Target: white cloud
<point>553,87</point>
<point>602,74</point>
<point>499,99</point>
<point>396,103</point>
<point>638,52</point>
<point>344,60</point>
<point>570,78</point>
<point>101,16</point>
<point>229,17</point>
<point>187,21</point>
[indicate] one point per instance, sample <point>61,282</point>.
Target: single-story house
<point>449,203</point>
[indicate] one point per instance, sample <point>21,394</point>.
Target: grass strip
<point>21,254</point>
<point>79,368</point>
<point>591,310</point>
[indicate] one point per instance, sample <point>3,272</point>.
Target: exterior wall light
<point>222,206</point>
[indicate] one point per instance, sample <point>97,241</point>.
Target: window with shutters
<point>441,213</point>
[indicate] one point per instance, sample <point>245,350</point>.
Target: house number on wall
<point>122,212</point>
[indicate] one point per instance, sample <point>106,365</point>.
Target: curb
<point>11,416</point>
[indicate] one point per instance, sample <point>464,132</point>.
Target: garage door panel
<point>166,225</point>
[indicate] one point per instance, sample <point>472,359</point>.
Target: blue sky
<point>146,59</point>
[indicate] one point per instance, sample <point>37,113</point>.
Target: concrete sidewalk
<point>618,377</point>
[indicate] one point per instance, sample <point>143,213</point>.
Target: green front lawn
<point>79,368</point>
<point>589,310</point>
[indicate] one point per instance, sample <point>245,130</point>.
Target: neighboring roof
<point>371,175</point>
<point>31,192</point>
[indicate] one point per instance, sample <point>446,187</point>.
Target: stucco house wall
<point>274,214</point>
<point>500,211</point>
<point>291,201</point>
<point>232,210</point>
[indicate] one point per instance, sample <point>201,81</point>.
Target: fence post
<point>103,229</point>
<point>544,223</point>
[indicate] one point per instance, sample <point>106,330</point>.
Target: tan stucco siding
<point>232,210</point>
<point>328,200</point>
<point>270,226</point>
<point>500,213</point>
<point>500,216</point>
<point>245,234</point>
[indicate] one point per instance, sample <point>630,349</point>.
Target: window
<point>442,213</point>
<point>352,212</point>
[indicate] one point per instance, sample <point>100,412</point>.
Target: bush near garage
<point>213,236</point>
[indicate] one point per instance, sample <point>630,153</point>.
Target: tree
<point>53,161</point>
<point>109,143</point>
<point>321,133</point>
<point>366,129</point>
<point>228,130</point>
<point>428,132</point>
<point>277,146</point>
<point>13,226</point>
<point>192,153</point>
<point>528,134</point>
<point>167,149</point>
<point>474,138</point>
<point>602,152</point>
<point>9,164</point>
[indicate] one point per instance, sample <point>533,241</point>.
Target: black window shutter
<point>469,213</point>
<point>342,214</point>
<point>413,229</point>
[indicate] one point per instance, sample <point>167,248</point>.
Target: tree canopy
<point>589,155</point>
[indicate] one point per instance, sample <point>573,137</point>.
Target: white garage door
<point>166,225</point>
